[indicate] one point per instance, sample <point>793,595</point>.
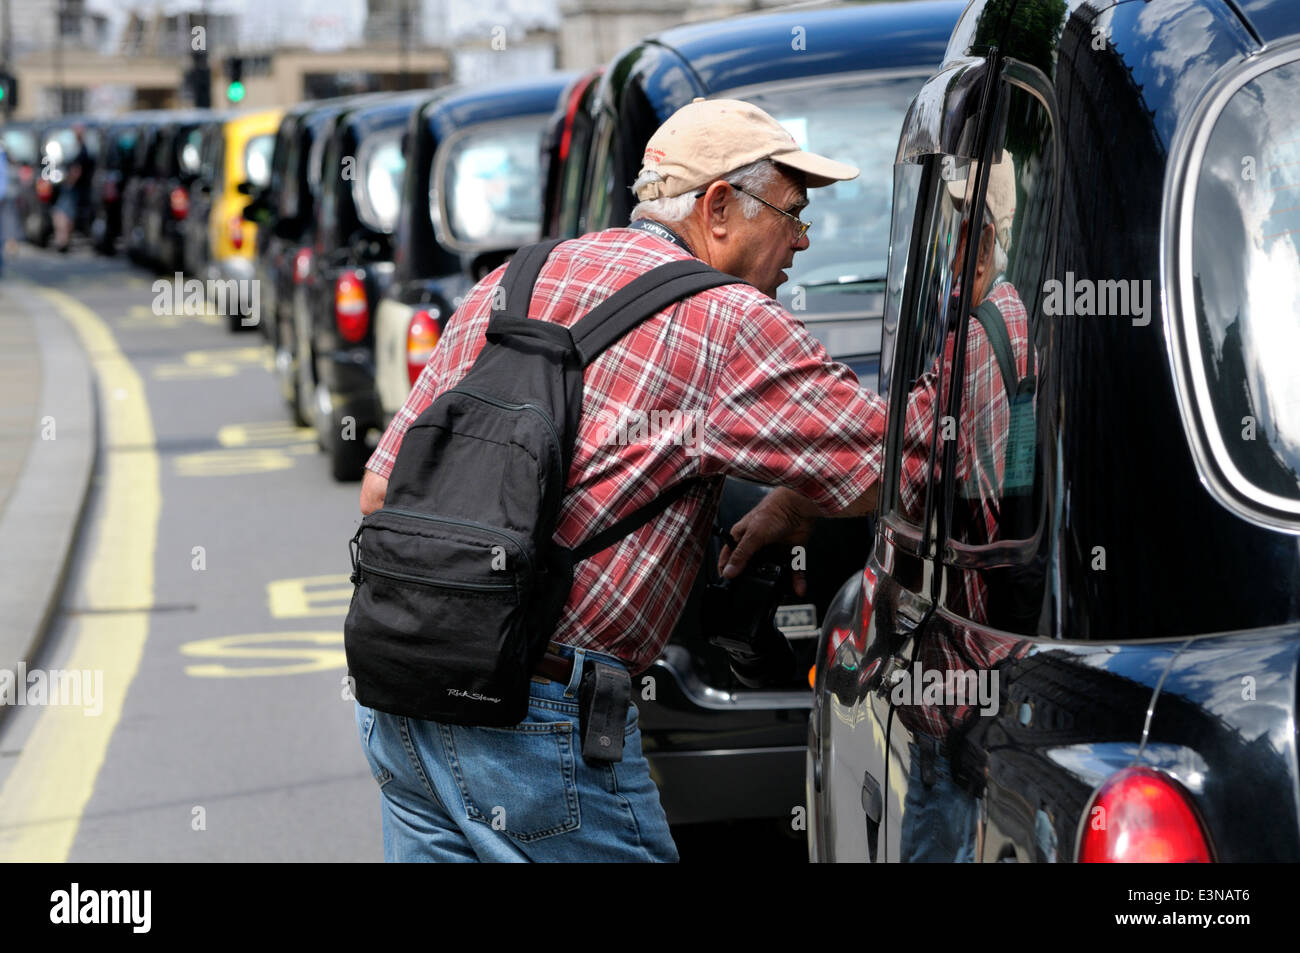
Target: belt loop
<point>575,680</point>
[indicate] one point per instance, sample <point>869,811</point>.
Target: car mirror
<point>244,188</point>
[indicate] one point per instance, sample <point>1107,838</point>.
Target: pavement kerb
<point>40,522</point>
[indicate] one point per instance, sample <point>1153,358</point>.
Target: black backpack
<point>458,583</point>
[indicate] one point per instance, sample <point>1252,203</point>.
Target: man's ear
<point>715,204</point>
<point>984,261</point>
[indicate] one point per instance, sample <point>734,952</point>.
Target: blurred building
<point>110,56</point>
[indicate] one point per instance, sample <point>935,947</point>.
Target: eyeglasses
<point>800,226</point>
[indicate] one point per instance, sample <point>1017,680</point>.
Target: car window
<point>488,184</point>
<point>857,120</point>
<point>20,145</point>
<point>1239,293</point>
<point>995,472</point>
<point>377,189</point>
<point>928,222</point>
<point>189,153</point>
<point>257,159</point>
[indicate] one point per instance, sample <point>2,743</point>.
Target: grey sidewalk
<point>45,378</point>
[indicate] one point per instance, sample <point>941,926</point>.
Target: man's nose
<point>801,242</point>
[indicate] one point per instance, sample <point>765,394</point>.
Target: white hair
<point>754,177</point>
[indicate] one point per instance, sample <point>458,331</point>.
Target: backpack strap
<point>633,521</point>
<point>521,274</point>
<point>995,329</point>
<point>641,298</point>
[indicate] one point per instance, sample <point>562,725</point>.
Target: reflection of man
<point>939,815</point>
<point>982,426</point>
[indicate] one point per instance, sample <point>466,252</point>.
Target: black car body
<point>719,750</point>
<point>114,169</point>
<point>1084,646</point>
<point>156,200</point>
<point>351,265</point>
<point>285,215</point>
<point>195,240</point>
<point>436,260</point>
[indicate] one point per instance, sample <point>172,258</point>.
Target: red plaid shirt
<point>756,397</point>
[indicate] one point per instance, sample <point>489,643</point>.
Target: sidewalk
<point>46,391</point>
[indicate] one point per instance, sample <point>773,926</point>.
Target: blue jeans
<point>454,793</point>
<point>938,821</point>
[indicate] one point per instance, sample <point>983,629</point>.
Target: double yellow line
<point>47,790</point>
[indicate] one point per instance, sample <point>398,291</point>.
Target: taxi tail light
<point>1142,816</point>
<point>421,339</point>
<point>301,265</point>
<point>44,191</point>
<point>180,203</point>
<point>351,311</point>
<point>236,229</point>
<point>110,191</point>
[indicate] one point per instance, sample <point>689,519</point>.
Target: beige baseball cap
<point>999,195</point>
<point>709,138</point>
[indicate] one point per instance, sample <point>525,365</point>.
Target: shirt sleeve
<point>784,414</point>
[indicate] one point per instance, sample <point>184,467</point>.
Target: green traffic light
<point>235,91</point>
<point>2,92</point>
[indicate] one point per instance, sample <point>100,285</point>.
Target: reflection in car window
<point>919,389</point>
<point>377,190</point>
<point>1245,272</point>
<point>257,159</point>
<point>190,152</point>
<point>491,183</point>
<point>857,121</point>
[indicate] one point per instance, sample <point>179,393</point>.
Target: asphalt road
<point>211,577</point>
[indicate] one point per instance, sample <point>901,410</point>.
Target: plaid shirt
<point>724,383</point>
<point>984,420</point>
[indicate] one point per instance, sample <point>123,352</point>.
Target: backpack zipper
<point>455,522</point>
<point>425,581</point>
<point>550,424</point>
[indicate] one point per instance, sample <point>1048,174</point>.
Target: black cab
<point>1076,636</point>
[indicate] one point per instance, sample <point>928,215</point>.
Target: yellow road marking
<point>313,656</point>
<point>232,462</point>
<point>309,596</point>
<point>241,435</point>
<point>218,362</point>
<point>44,796</point>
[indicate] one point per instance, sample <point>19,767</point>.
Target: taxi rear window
<point>1240,291</point>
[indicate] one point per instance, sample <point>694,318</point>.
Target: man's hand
<point>373,490</point>
<point>783,516</point>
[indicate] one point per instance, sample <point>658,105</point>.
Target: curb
<point>40,523</point>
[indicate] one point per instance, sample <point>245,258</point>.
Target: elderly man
<point>722,182</point>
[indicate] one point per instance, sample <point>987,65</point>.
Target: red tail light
<point>110,191</point>
<point>236,228</point>
<point>25,174</point>
<point>180,203</point>
<point>301,265</point>
<point>351,311</point>
<point>44,191</point>
<point>1142,816</point>
<point>421,339</point>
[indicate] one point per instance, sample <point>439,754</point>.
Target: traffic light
<point>235,75</point>
<point>8,92</point>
